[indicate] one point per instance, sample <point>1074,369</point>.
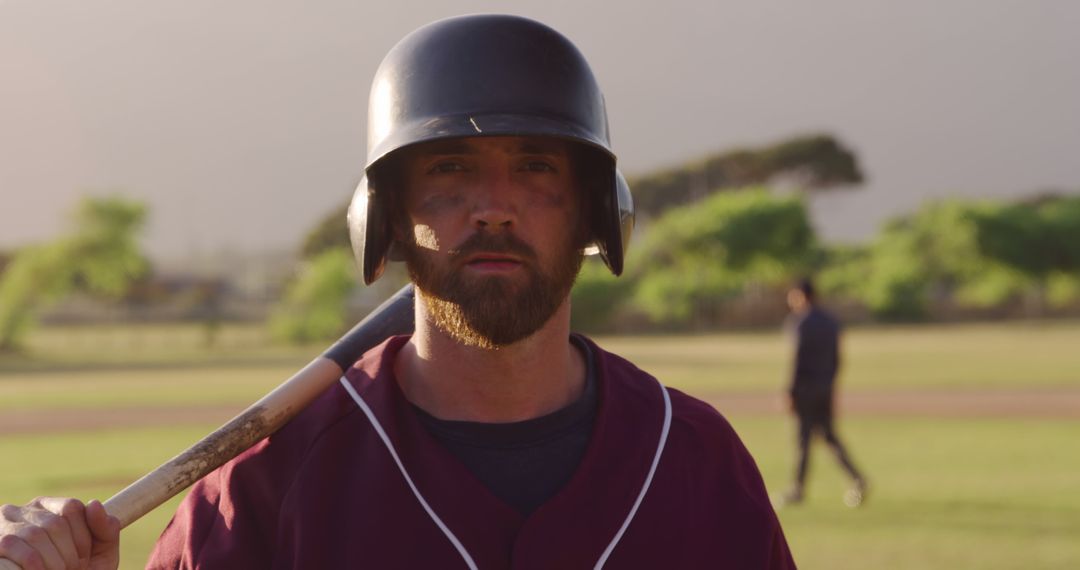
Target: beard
<point>491,311</point>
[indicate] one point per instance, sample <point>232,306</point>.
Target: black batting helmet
<point>486,75</point>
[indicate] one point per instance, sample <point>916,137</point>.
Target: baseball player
<point>492,437</point>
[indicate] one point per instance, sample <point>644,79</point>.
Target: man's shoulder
<point>287,448</point>
<point>701,423</point>
<point>332,409</point>
<point>688,413</point>
<point>823,315</point>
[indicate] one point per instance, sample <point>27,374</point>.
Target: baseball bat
<point>394,316</point>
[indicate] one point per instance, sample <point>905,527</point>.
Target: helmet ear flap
<point>624,202</point>
<point>369,231</point>
<point>615,222</point>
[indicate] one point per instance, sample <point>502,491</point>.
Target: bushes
<point>695,259</point>
<point>974,255</point>
<point>99,256</point>
<point>314,307</point>
<point>685,271</point>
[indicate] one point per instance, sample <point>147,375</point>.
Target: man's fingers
<point>54,533</point>
<point>16,550</point>
<point>75,513</point>
<point>106,531</point>
<point>106,528</point>
<point>37,538</point>
<point>48,533</point>
<point>47,515</point>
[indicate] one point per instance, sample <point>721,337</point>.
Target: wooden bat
<point>394,316</point>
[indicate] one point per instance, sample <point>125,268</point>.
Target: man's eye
<point>539,166</point>
<point>445,167</point>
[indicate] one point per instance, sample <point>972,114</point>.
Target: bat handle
<point>394,316</point>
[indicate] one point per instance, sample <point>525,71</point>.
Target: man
<point>492,437</point>
<point>812,389</point>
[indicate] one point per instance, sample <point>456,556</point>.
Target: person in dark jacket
<point>812,390</point>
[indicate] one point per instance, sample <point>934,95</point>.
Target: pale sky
<point>242,123</point>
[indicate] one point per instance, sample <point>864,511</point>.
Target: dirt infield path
<point>1042,403</point>
<point>79,419</point>
<point>1031,403</point>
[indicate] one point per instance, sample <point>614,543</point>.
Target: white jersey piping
<point>648,479</point>
<point>446,530</point>
<point>393,453</point>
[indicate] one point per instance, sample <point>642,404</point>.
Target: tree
<point>35,276</point>
<point>811,162</point>
<point>331,232</point>
<point>5,259</point>
<point>975,254</point>
<point>597,297</point>
<point>104,254</point>
<point>696,258</point>
<point>314,307</point>
<point>100,257</point>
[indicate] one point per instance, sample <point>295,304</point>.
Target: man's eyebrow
<point>446,147</point>
<point>464,147</point>
<point>544,148</point>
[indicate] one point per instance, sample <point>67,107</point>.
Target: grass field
<point>1024,354</point>
<point>946,492</point>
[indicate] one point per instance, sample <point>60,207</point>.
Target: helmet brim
<point>481,125</point>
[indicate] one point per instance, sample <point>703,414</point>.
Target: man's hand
<point>53,533</point>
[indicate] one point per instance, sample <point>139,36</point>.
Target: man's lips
<point>493,262</point>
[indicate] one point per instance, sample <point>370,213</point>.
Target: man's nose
<point>495,207</point>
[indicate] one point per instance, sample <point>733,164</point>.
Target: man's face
<point>492,235</point>
<point>796,300</point>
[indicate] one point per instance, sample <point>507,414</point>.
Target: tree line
<point>715,234</point>
<point>697,261</point>
<point>715,237</point>
<point>98,256</point>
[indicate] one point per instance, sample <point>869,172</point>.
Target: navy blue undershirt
<point>524,463</point>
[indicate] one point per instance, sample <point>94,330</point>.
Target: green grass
<point>996,355</point>
<point>145,365</point>
<point>155,365</point>
<point>95,465</point>
<point>137,387</point>
<point>72,347</point>
<point>946,493</point>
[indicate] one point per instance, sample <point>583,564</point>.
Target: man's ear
<point>397,229</point>
<point>399,236</point>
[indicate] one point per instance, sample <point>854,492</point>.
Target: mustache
<point>483,242</point>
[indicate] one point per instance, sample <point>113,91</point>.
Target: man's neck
<point>451,381</point>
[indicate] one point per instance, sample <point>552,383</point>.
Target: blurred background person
<point>813,387</point>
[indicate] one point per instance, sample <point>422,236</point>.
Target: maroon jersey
<point>356,481</point>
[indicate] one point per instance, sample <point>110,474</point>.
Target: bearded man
<point>492,437</point>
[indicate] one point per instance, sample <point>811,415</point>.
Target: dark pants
<point>815,414</point>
